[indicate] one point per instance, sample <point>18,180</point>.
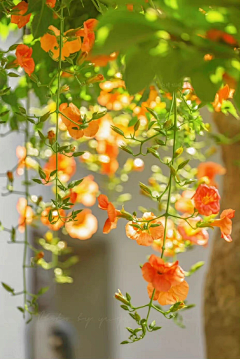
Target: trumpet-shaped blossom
<point>51,3</point>
<point>57,222</point>
<point>88,34</point>
<point>24,58</point>
<point>167,279</point>
<point>84,226</point>
<point>49,42</point>
<point>207,200</point>
<point>66,167</point>
<point>223,94</point>
<point>145,233</point>
<point>19,18</point>
<point>225,224</point>
<point>86,191</point>
<point>210,170</point>
<point>190,232</point>
<point>185,203</point>
<point>112,212</point>
<point>72,118</point>
<point>173,243</point>
<point>26,214</point>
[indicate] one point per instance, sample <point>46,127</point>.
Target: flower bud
<point>51,137</point>
<point>39,256</point>
<point>119,296</point>
<point>64,88</point>
<point>81,58</point>
<point>178,152</point>
<point>10,176</point>
<point>94,79</point>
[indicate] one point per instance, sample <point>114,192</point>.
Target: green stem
<point>174,101</point>
<point>26,177</point>
<point>150,304</point>
<point>58,96</point>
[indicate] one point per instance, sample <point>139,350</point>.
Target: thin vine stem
<point>174,103</point>
<point>166,215</point>
<point>58,97</point>
<point>26,177</point>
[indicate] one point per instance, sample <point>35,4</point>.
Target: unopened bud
<point>81,58</point>
<point>39,255</point>
<point>178,152</point>
<point>167,124</point>
<point>51,137</point>
<point>94,79</point>
<point>64,88</point>
<point>119,296</point>
<point>10,176</point>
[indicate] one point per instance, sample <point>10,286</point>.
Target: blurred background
<point>84,321</point>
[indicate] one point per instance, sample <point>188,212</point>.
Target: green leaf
<point>124,342</point>
<point>120,29</point>
<point>74,183</point>
<point>42,174</point>
<point>12,74</point>
<point>42,290</point>
<point>183,164</point>
<point>41,135</point>
<point>42,20</point>
<point>156,328</point>
<point>78,154</point>
<point>44,117</point>
<point>194,268</point>
<point>21,309</point>
<point>4,113</point>
<point>8,288</point>
<point>37,180</point>
<point>139,71</point>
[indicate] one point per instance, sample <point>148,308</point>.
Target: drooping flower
<point>191,233</point>
<point>167,279</point>
<point>143,233</point>
<point>84,226</point>
<point>24,59</point>
<point>88,34</point>
<point>207,200</point>
<point>19,18</point>
<point>185,203</point>
<point>101,60</point>
<point>219,35</point>
<point>210,170</point>
<point>57,222</point>
<point>51,3</point>
<point>49,43</point>
<point>112,212</point>
<point>173,243</point>
<point>26,214</point>
<point>72,112</point>
<point>24,161</point>
<point>66,167</point>
<point>223,94</point>
<point>86,191</point>
<point>225,224</point>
